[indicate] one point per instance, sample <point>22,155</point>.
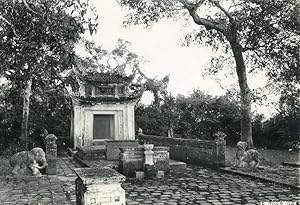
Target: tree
<point>37,45</point>
<point>238,27</point>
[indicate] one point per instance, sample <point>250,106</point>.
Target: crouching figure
<point>245,159</point>
<point>28,162</point>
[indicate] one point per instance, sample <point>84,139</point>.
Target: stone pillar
<point>149,168</point>
<point>51,154</point>
<point>220,146</point>
<point>148,154</point>
<point>100,185</point>
<point>140,134</point>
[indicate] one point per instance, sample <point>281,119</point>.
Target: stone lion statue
<point>246,159</point>
<point>28,162</point>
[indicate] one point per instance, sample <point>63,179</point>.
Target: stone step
<point>91,151</point>
<point>291,164</point>
<point>96,143</point>
<point>177,165</point>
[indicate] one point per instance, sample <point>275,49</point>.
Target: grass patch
<point>5,167</point>
<point>268,157</point>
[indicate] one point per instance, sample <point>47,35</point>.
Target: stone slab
<point>266,179</point>
<point>99,175</point>
<point>291,164</point>
<point>139,174</point>
<point>86,152</point>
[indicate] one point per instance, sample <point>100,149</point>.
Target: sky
<point>160,47</point>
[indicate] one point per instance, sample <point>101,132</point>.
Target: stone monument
<point>103,108</point>
<point>99,186</point>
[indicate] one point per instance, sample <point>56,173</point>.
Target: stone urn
<point>148,147</point>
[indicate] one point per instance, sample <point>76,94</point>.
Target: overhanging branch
<point>216,3</point>
<point>208,24</point>
<point>11,26</point>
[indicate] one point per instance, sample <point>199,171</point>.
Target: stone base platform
<point>88,152</point>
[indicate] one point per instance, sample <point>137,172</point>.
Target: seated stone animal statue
<point>35,168</point>
<point>28,162</point>
<point>245,159</point>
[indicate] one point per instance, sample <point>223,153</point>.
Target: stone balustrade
<point>133,160</point>
<point>161,158</point>
<point>199,152</point>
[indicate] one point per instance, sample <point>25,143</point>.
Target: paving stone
<point>196,185</point>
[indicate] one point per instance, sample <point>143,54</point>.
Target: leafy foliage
<point>280,132</point>
<point>200,116</point>
<point>197,116</point>
<point>37,41</point>
<point>240,29</point>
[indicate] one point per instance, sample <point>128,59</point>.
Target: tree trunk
<point>246,128</point>
<point>25,113</point>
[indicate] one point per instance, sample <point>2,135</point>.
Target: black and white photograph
<point>162,102</point>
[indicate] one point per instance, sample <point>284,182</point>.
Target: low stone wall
<point>199,152</point>
<point>133,159</point>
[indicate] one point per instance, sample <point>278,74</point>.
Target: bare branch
<point>216,3</point>
<point>27,6</point>
<point>220,84</point>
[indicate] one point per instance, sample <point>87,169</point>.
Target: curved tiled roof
<point>105,78</point>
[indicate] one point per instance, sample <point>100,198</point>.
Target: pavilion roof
<point>105,78</point>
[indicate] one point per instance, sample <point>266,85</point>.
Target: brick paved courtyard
<point>194,186</point>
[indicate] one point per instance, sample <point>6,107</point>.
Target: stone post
<point>148,154</point>
<point>51,154</point>
<point>140,133</point>
<point>149,168</point>
<point>99,185</point>
<point>220,145</point>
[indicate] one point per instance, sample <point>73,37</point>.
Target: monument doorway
<point>103,127</point>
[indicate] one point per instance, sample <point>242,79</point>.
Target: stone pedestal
<point>99,186</point>
<point>51,154</point>
<point>113,147</point>
<point>131,160</point>
<point>91,152</point>
<point>148,154</point>
<point>150,171</point>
